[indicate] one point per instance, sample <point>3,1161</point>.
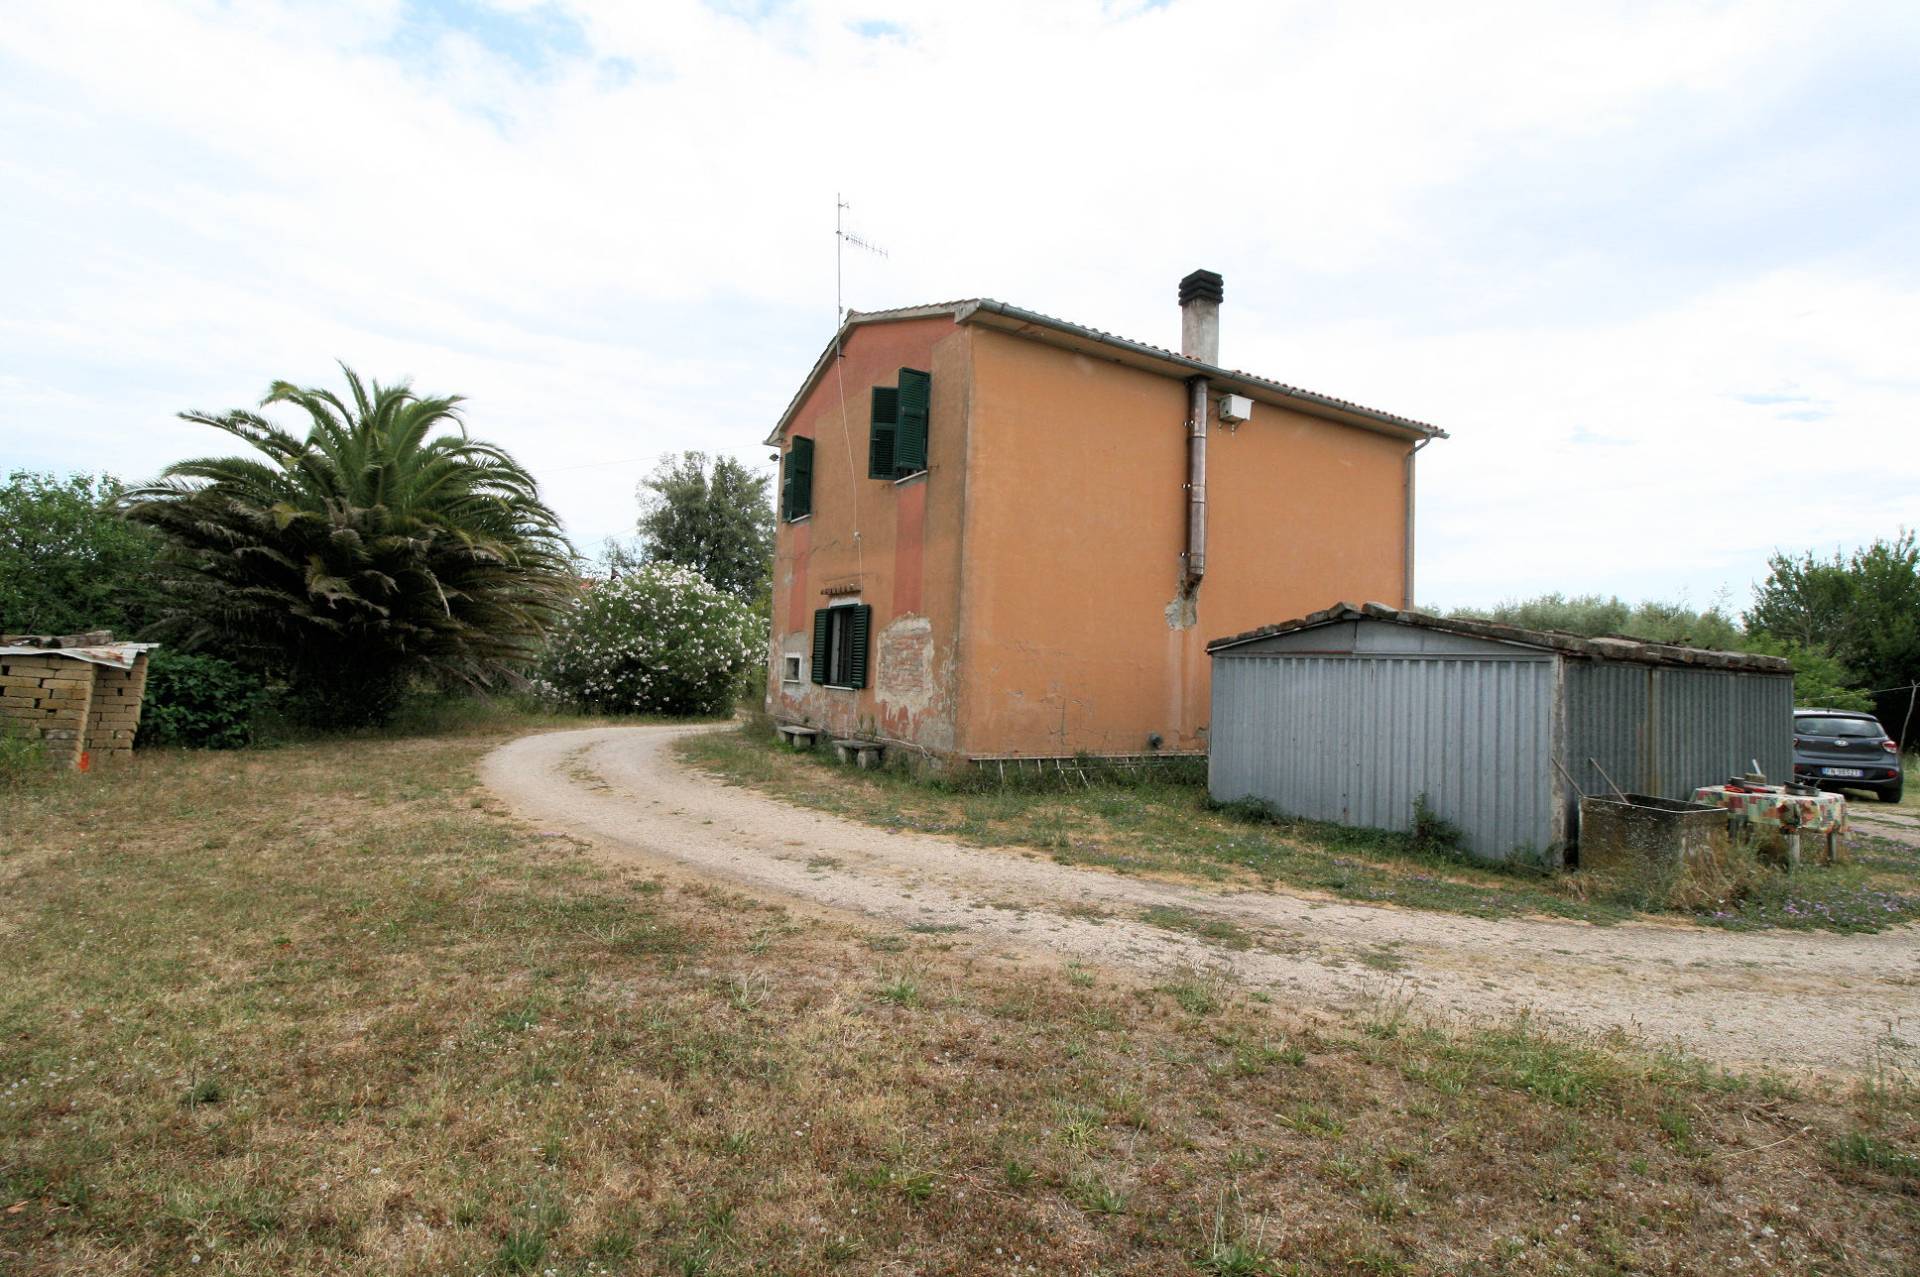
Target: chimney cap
<point>1202,285</point>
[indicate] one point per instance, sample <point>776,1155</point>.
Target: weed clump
<point>1859,1150</point>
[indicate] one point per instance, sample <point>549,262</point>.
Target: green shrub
<point>199,701</point>
<point>660,640</point>
<point>1434,834</point>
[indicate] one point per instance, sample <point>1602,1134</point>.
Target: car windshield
<point>1837,727</point>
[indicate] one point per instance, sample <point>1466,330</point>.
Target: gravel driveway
<point>1788,1000</point>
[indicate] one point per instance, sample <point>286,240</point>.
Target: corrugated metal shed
<point>1352,714</point>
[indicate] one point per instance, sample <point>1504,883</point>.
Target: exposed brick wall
<point>74,708</point>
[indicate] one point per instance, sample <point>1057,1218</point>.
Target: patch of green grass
<point>1207,926</point>
<point>1525,1059</point>
<point>23,760</point>
<point>1097,1197</point>
<point>206,1090</point>
<point>615,1246</point>
<point>915,1186</point>
<point>1868,1152</point>
<point>902,991</point>
<point>1381,958</point>
<point>521,1251</point>
<point>1677,1126</point>
<point>1312,1119</point>
<point>1236,1259</point>
<point>1196,995</point>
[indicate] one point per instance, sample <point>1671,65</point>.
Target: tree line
<point>382,549</point>
<point>1850,623</point>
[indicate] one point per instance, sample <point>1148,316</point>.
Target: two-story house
<point>1003,535</point>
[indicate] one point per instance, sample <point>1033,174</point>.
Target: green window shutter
<point>910,436</point>
<point>819,671</point>
<point>786,486</point>
<point>859,623</point>
<point>886,410</point>
<point>800,467</point>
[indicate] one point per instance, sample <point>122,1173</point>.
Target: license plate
<point>1854,772</point>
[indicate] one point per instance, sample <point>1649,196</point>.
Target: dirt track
<point>1792,1001</point>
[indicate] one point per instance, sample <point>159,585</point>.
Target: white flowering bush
<point>656,641</point>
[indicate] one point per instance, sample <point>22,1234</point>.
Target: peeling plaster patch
<point>1183,613</point>
<point>914,697</point>
<point>795,698</point>
<point>905,665</point>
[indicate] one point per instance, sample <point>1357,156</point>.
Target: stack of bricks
<point>114,715</point>
<point>84,713</point>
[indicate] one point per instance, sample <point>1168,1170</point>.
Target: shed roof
<point>1610,648</point>
<point>1060,332</point>
<point>119,655</point>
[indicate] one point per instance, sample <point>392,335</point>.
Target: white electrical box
<point>1235,409</point>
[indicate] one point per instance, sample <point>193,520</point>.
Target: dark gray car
<point>1840,749</point>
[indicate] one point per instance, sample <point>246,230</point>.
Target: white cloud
<point>626,250</point>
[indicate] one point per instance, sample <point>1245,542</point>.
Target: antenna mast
<point>841,238</point>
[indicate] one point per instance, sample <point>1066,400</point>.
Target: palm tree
<point>385,545</point>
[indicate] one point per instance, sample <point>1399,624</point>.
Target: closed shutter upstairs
<point>886,411</point>
<point>910,434</point>
<point>800,477</point>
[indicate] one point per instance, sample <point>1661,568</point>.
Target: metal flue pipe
<point>1196,482</point>
<point>1200,296</point>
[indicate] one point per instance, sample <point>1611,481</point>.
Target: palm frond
<point>387,536</point>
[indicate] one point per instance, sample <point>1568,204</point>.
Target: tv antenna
<point>841,238</point>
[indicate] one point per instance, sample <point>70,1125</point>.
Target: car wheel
<point>1891,794</point>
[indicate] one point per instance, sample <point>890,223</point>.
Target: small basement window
<point>840,645</point>
<point>790,668</point>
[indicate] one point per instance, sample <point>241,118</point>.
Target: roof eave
<point>1122,350</point>
<point>1089,341</point>
<point>854,318</point>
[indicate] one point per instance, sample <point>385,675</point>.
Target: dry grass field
<point>324,1009</point>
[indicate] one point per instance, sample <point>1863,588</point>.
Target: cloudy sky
<point>1654,266</point>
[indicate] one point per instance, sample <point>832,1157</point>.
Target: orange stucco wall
<point>1026,591</point>
<point>1073,626</point>
<point>894,546</point>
